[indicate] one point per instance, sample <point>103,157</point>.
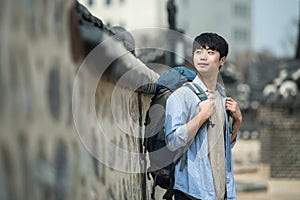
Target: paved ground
<point>248,171</point>
<point>252,176</point>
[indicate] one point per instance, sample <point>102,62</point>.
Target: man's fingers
<point>230,100</point>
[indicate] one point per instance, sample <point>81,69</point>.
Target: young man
<point>202,128</point>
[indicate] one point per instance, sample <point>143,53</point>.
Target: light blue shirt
<point>196,178</point>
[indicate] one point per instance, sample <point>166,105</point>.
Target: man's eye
<point>211,52</point>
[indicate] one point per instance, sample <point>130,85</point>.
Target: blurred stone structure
<point>280,130</point>
<point>42,155</point>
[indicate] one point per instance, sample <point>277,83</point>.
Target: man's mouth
<point>202,64</point>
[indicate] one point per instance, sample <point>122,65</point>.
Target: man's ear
<point>222,61</point>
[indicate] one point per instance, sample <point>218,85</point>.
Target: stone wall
<point>279,120</point>
<point>280,140</point>
<point>265,119</point>
<point>280,146</point>
<point>44,153</point>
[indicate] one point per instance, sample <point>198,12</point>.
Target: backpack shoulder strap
<point>197,90</point>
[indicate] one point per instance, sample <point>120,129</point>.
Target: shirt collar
<point>198,81</point>
<point>220,87</point>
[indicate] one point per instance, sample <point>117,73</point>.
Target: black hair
<point>213,41</point>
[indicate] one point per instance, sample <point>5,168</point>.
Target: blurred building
<point>130,14</point>
<point>231,19</point>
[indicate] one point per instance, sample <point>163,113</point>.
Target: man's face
<point>207,61</point>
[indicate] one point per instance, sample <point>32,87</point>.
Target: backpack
<point>163,161</point>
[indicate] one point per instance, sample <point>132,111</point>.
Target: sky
<point>275,26</point>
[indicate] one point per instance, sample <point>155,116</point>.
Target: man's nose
<point>203,56</point>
